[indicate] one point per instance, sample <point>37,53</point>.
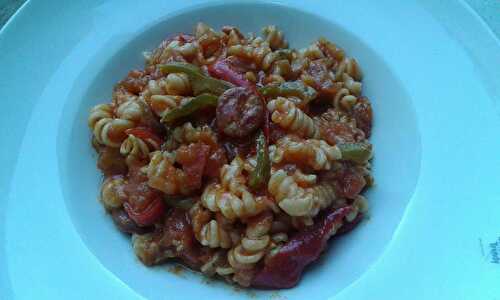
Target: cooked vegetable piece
<point>193,159</point>
<point>200,82</point>
<point>184,203</point>
<point>287,89</point>
<point>197,103</point>
<point>224,70</point>
<point>355,152</point>
<point>283,270</point>
<point>261,173</point>
<point>147,216</point>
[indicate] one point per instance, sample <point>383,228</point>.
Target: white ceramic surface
<point>435,92</point>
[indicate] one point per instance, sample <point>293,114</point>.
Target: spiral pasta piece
<point>170,50</point>
<point>253,245</point>
<point>344,100</point>
<point>131,110</point>
<point>121,95</point>
<point>136,149</point>
<point>112,192</point>
<point>330,49</point>
<point>187,134</point>
<point>156,87</point>
<point>209,42</point>
<point>312,52</point>
<point>216,198</point>
<point>234,36</point>
<point>359,205</point>
<point>164,176</point>
<point>99,112</point>
<point>304,180</point>
<point>215,232</point>
<point>288,116</point>
<point>255,52</point>
<point>149,250</point>
<point>162,104</point>
<point>177,84</point>
<point>153,87</point>
<point>352,85</point>
<point>274,37</point>
<point>214,235</point>
<point>323,195</point>
<point>293,199</point>
<point>217,264</point>
<point>314,153</point>
<point>111,132</point>
<point>186,50</point>
<point>231,177</point>
<point>349,66</point>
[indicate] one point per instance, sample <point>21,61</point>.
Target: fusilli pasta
<point>294,200</point>
<point>99,112</point>
<point>112,192</point>
<point>216,198</point>
<point>344,100</point>
<point>136,149</point>
<point>314,153</point>
<point>162,104</point>
<point>287,115</point>
<point>111,132</point>
<point>253,245</point>
<point>164,176</point>
<point>274,37</point>
<point>131,110</point>
<point>187,134</point>
<point>255,52</point>
<point>177,84</point>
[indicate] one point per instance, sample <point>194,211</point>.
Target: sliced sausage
<point>239,112</point>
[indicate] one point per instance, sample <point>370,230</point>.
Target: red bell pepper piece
<point>149,215</point>
<point>284,269</point>
<point>222,69</point>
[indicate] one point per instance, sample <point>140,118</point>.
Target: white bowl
<point>395,137</point>
<point>76,250</point>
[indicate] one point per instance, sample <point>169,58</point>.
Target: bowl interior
<point>395,137</point>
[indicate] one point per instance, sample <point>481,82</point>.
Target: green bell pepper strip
<point>356,152</point>
<point>286,89</point>
<point>283,54</point>
<point>182,203</point>
<point>200,82</point>
<point>260,174</point>
<point>197,103</point>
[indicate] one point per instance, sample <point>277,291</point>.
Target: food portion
<point>236,155</point>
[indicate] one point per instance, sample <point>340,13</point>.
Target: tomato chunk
<point>193,159</point>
